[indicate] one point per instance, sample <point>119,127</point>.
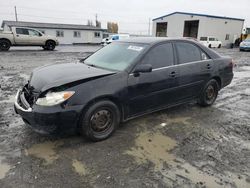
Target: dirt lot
<point>186,146</point>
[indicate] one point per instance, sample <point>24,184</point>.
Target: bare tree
<point>98,24</point>
<point>112,27</point>
<point>90,23</point>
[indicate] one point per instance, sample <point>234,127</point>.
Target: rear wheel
<point>209,93</point>
<point>50,45</point>
<point>209,46</point>
<point>219,46</point>
<point>4,45</point>
<point>100,120</point>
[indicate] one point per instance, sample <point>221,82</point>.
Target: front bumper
<point>47,120</point>
<point>244,47</point>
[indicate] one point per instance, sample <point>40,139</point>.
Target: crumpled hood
<point>50,76</point>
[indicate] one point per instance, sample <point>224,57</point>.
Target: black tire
<point>209,93</point>
<point>4,45</point>
<point>44,47</point>
<point>209,46</point>
<point>50,45</point>
<point>241,50</point>
<point>219,46</point>
<point>100,120</point>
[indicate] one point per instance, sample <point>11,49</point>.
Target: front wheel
<point>219,46</point>
<point>209,93</point>
<point>209,46</point>
<point>100,120</point>
<point>4,45</point>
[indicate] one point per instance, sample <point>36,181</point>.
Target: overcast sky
<point>131,15</point>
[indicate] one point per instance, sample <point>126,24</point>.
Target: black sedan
<point>121,81</point>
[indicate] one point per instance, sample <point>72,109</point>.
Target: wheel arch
<point>102,98</point>
<point>48,40</point>
<point>218,80</point>
<point>6,40</point>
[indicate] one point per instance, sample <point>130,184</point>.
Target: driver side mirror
<point>143,68</point>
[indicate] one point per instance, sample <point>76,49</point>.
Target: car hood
<point>245,43</point>
<point>51,76</point>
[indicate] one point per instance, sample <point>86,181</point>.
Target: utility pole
<point>16,14</point>
<point>149,26</point>
<point>96,17</point>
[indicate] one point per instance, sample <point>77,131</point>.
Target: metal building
<point>66,33</point>
<point>182,24</point>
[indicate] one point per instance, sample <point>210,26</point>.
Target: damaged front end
<point>25,98</point>
<point>45,117</point>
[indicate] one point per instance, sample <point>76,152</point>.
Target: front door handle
<point>208,66</point>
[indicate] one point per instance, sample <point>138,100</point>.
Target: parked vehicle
<point>245,45</point>
<point>112,38</point>
<point>210,42</point>
<point>20,36</point>
<point>121,81</point>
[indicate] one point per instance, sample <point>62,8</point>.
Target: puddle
<point>156,148</point>
<point>179,120</point>
<point>193,174</point>
<point>4,168</point>
<point>45,151</point>
<point>153,147</point>
<point>239,181</point>
<point>79,167</point>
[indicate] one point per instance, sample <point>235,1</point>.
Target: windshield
<point>116,56</point>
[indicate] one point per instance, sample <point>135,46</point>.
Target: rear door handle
<point>173,74</point>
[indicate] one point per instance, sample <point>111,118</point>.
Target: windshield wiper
<point>91,65</point>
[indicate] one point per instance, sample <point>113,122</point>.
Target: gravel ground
<point>185,146</point>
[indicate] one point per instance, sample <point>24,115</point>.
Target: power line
<point>75,12</point>
<point>68,18</point>
<point>56,10</point>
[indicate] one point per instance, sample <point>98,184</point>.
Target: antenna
<point>149,26</point>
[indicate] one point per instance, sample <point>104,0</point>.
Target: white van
<point>112,38</point>
<point>210,42</point>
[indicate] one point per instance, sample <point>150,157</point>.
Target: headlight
<point>54,98</point>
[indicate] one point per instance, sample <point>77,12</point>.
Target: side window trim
<point>201,51</point>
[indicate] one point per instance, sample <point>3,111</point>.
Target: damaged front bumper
<point>47,120</point>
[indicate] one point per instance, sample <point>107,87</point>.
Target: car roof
<point>153,40</point>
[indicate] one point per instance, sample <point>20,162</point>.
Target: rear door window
<point>22,31</point>
<point>188,52</point>
<point>160,56</point>
<point>211,39</point>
